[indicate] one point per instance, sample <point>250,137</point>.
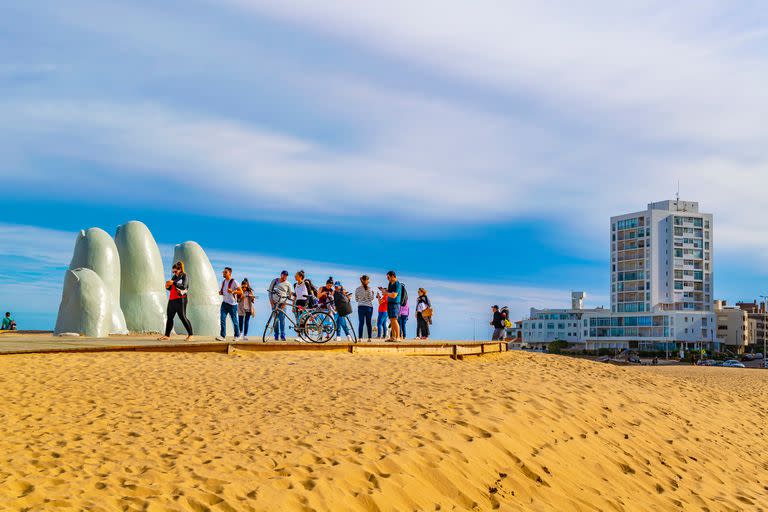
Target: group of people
<point>238,304</point>
<point>392,304</point>
<point>9,324</point>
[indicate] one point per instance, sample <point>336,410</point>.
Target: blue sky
<point>480,148</point>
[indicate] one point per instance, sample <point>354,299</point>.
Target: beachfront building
<point>757,320</point>
<point>661,288</point>
<point>661,258</point>
<point>733,327</point>
<point>600,328</point>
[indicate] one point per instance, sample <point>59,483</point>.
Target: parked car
<point>732,363</point>
<point>759,355</point>
<point>748,357</point>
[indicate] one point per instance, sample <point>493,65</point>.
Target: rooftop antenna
<point>677,198</point>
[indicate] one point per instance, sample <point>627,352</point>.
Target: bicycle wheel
<point>319,327</point>
<point>269,327</point>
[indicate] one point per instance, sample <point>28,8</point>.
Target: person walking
<point>246,308</point>
<point>497,321</point>
<point>393,293</point>
<point>343,309</point>
<point>177,285</point>
<point>423,315</point>
<point>364,296</point>
<point>280,292</point>
<point>229,290</point>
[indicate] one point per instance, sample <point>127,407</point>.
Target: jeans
<point>422,326</point>
<point>402,320</point>
<point>243,321</point>
<point>280,325</point>
<point>381,324</point>
<point>498,334</point>
<point>364,316</point>
<point>231,311</point>
<point>341,323</point>
<point>177,307</point>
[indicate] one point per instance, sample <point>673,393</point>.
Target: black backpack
<point>343,306</point>
<point>311,290</point>
<point>403,295</point>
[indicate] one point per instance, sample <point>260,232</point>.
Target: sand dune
<point>336,432</point>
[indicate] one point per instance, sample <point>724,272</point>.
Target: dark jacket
<point>498,320</point>
<point>181,283</point>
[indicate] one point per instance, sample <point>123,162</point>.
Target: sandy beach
<point>514,431</point>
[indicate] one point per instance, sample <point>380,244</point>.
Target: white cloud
<point>562,112</point>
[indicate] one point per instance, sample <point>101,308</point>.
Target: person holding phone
<point>177,285</point>
<point>393,292</point>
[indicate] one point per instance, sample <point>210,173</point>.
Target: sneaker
<point>338,338</point>
<point>238,338</point>
<point>282,338</point>
<point>245,338</point>
<point>220,338</point>
<point>349,337</point>
<point>277,338</point>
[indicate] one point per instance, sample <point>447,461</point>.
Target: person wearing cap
<point>280,291</point>
<point>498,323</point>
<point>342,309</point>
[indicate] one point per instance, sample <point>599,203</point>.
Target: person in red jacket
<point>177,300</point>
<point>381,320</point>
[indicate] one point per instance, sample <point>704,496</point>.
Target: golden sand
<point>515,431</point>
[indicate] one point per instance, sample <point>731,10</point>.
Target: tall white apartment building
<point>661,259</point>
<point>661,288</point>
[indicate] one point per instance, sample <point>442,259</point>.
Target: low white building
<point>600,328</point>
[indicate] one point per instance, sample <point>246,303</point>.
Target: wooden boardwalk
<point>14,343</point>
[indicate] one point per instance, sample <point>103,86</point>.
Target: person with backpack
<point>364,296</point>
<point>304,291</point>
<point>8,323</point>
<point>497,321</point>
<point>229,290</point>
<point>343,308</point>
<point>177,285</point>
<point>381,320</point>
<point>423,315</point>
<point>246,308</point>
<point>405,311</point>
<point>394,294</point>
<point>280,292</point>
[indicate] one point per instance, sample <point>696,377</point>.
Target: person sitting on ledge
<point>8,323</point>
